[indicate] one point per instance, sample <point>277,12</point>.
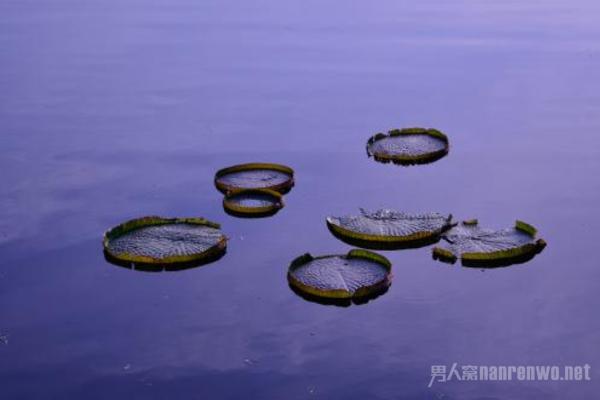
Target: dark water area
<point>111,110</point>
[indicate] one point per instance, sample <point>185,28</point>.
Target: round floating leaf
<point>408,146</point>
<point>360,274</point>
<point>389,229</point>
<point>255,176</point>
<point>481,247</point>
<point>252,202</point>
<point>164,241</point>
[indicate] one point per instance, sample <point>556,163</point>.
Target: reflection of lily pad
<point>252,202</point>
<point>389,229</point>
<point>347,302</point>
<point>357,275</point>
<point>408,146</point>
<point>255,176</point>
<point>483,247</point>
<point>164,241</point>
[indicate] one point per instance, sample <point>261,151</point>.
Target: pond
<point>112,110</point>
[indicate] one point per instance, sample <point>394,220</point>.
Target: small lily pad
<point>389,229</point>
<point>252,202</point>
<point>164,242</point>
<point>408,146</point>
<point>357,275</point>
<point>482,247</point>
<point>255,176</point>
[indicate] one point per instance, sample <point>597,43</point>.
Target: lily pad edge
<point>239,210</point>
<point>361,292</point>
<point>528,249</point>
<point>281,188</point>
<point>408,160</point>
<point>154,220</point>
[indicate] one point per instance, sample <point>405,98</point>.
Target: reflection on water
<point>154,267</point>
<point>262,214</point>
<point>407,163</point>
<point>118,108</point>
<point>522,259</point>
<point>339,302</point>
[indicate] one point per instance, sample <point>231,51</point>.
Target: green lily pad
<point>252,202</point>
<point>389,229</point>
<point>164,242</point>
<point>482,247</point>
<point>357,275</point>
<point>255,176</point>
<point>408,146</point>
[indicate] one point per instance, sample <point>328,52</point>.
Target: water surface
<point>115,109</point>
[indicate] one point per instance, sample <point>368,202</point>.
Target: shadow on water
<point>433,157</point>
<point>492,264</point>
<point>340,302</point>
<point>367,244</point>
<point>253,215</point>
<point>171,267</point>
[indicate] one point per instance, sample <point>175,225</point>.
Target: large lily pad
<point>255,176</point>
<point>358,275</point>
<point>408,146</point>
<point>389,229</point>
<point>252,202</point>
<point>482,247</point>
<point>164,242</point>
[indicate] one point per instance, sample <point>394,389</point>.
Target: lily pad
<point>482,247</point>
<point>164,242</point>
<point>252,202</point>
<point>255,176</point>
<point>408,146</point>
<point>389,229</point>
<point>357,275</point>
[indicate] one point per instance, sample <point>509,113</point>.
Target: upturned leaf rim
<point>153,220</point>
<point>383,241</point>
<point>506,255</point>
<point>362,292</point>
<point>281,188</point>
<point>408,159</point>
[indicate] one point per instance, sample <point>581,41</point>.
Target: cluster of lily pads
<point>256,190</point>
<point>156,243</point>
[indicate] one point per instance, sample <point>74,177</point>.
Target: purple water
<point>115,109</point>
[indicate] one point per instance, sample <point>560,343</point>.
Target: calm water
<point>115,109</point>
